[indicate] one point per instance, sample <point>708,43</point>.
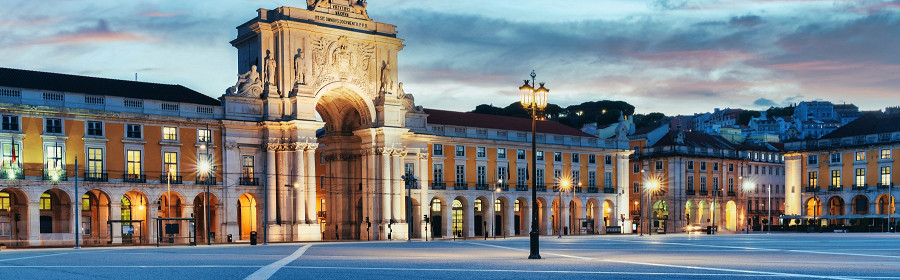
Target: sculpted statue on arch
<point>248,84</point>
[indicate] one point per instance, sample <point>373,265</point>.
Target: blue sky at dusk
<point>670,56</point>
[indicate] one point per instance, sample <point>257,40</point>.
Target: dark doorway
<point>498,225</point>
<point>46,224</point>
<point>436,227</point>
<point>518,224</point>
<point>479,230</point>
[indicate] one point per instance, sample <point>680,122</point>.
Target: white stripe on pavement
<point>269,270</point>
<point>680,266</point>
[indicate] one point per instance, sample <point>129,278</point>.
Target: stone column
<point>115,213</point>
<point>423,195</point>
<point>284,182</point>
<point>526,224</point>
<point>489,216</point>
<point>271,182</point>
<point>34,223</point>
<point>509,219</point>
<point>311,184</point>
<point>447,212</point>
<point>386,185</point>
<point>546,226</point>
<point>564,217</point>
<point>469,215</point>
<point>300,189</point>
<point>186,230</point>
<point>397,190</point>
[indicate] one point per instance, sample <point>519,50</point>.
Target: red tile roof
<point>443,117</point>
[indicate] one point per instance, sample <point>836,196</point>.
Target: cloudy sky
<point>670,56</point>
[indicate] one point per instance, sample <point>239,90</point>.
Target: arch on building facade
<point>730,215</point>
<point>859,205</point>
<point>836,207</point>
<point>522,223</point>
<point>248,218</point>
<point>13,204</point>
<point>884,204</point>
<point>95,207</point>
<point>134,207</point>
<point>703,216</point>
<point>690,212</point>
<point>575,215</point>
<point>200,214</point>
<point>814,207</point>
<point>170,205</point>
<point>459,217</point>
<point>660,215</point>
<point>55,212</point>
<point>480,212</point>
<point>609,213</point>
<point>437,210</point>
<point>543,215</point>
<point>501,215</point>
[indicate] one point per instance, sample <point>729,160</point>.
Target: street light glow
<point>203,166</point>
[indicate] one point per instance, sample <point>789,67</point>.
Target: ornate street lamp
<point>652,185</point>
<point>534,100</point>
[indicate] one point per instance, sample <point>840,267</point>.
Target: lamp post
<point>651,185</point>
<point>77,207</point>
<point>563,184</point>
<point>642,203</point>
<point>534,100</point>
<point>409,180</point>
<point>494,205</point>
<point>769,205</point>
<point>206,167</point>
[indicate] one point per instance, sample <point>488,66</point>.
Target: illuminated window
<point>54,158</point>
<point>457,217</point>
<point>860,156</point>
<point>516,205</point>
<point>835,177</point>
<point>45,202</point>
<point>170,167</point>
<point>170,133</point>
<point>204,136</point>
<point>5,226</point>
<point>886,175</point>
<point>133,167</point>
<point>4,201</point>
<point>478,205</point>
<point>498,206</point>
<point>126,208</point>
<point>94,163</point>
<point>85,203</point>
<point>247,166</point>
<point>885,154</point>
<point>10,149</point>
<point>860,176</point>
<point>436,205</point>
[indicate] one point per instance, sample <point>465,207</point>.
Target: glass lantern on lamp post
<point>534,100</point>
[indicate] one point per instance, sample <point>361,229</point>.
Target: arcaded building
<point>312,142</point>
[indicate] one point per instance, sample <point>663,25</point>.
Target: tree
<point>746,115</point>
<point>648,120</point>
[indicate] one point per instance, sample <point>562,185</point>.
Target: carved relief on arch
<point>343,59</point>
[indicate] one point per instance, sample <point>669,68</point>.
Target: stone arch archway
<point>15,214</point>
<point>248,215</point>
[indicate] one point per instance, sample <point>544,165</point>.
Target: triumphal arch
<point>318,110</point>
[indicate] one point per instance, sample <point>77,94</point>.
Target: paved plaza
<point>675,256</point>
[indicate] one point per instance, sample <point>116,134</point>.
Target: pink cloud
<point>94,37</point>
<point>822,65</point>
<point>696,58</point>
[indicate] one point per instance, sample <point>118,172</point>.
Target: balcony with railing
<point>481,186</point>
<point>503,187</point>
<point>12,173</point>
<point>577,189</point>
<point>704,192</point>
<point>521,188</point>
<point>438,186</point>
<point>200,180</point>
<point>54,175</point>
<point>96,177</point>
<point>860,187</point>
<point>885,185</point>
<point>460,186</point>
<point>835,188</point>
<point>609,189</point>
<point>134,178</point>
<point>731,193</point>
<point>635,212</point>
<point>170,179</point>
<point>248,181</point>
<point>541,188</point>
<point>593,189</point>
<point>690,192</point>
<point>811,189</point>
